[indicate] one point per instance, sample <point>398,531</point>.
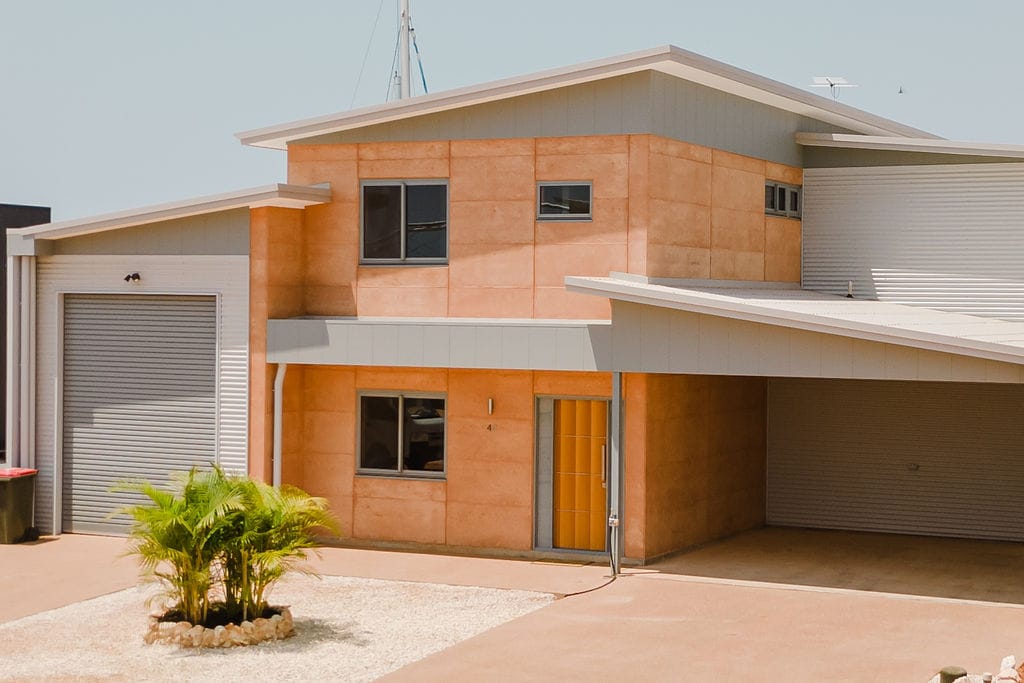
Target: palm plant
<point>215,532</point>
<point>270,536</point>
<point>179,536</point>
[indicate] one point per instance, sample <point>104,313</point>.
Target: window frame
<point>403,259</point>
<point>400,472</point>
<point>788,188</point>
<point>565,217</point>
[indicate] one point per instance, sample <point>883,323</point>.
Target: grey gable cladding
<point>645,102</point>
<point>222,233</point>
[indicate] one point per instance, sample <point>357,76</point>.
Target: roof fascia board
<point>277,136</point>
<point>668,59</point>
<point>678,299</point>
<point>906,144</point>
<point>280,194</point>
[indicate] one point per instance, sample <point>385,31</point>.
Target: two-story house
<point>655,288</point>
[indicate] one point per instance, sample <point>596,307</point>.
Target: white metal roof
<point>802,309</point>
<point>669,59</point>
<point>909,144</point>
<point>280,194</point>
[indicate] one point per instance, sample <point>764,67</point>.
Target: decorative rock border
<point>185,634</point>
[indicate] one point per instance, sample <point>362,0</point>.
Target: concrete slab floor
<point>887,563</point>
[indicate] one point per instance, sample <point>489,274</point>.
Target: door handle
<point>604,463</point>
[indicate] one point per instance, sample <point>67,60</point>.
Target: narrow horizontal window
<point>563,201</point>
<point>402,434</point>
<point>782,200</point>
<point>404,221</point>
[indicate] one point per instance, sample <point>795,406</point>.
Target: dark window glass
<point>769,197</point>
<point>379,432</point>
<point>402,434</point>
<point>564,201</point>
<point>382,221</point>
<point>426,221</point>
<point>780,204</point>
<point>424,434</point>
<point>794,201</point>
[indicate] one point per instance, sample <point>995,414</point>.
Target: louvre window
<point>782,200</point>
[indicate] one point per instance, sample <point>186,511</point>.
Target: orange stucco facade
<point>694,445</point>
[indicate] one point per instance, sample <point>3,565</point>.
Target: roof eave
<point>668,59</point>
<point>279,195</point>
<point>909,144</point>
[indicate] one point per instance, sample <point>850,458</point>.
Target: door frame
<point>544,476</point>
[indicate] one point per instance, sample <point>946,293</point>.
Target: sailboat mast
<point>405,79</point>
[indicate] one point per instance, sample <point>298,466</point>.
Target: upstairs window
<point>563,201</point>
<point>782,200</point>
<point>405,221</point>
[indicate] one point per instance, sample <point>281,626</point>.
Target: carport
<point>878,417</point>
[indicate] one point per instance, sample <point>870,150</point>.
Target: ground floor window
<point>401,434</point>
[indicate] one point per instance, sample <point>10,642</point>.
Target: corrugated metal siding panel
<point>902,457</point>
<point>139,398</point>
<point>225,276</point>
<point>949,237</point>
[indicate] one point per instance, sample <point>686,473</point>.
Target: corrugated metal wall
<point>912,457</point>
<point>224,276</point>
<point>945,237</point>
<point>139,398</point>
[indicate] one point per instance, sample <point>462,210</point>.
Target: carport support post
<point>282,368</point>
<point>615,475</point>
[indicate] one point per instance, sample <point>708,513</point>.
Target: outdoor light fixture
<point>490,406</point>
<point>132,277</point>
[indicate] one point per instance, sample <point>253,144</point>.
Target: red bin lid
<point>15,472</point>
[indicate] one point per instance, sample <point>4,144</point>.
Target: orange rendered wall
<point>276,253</point>
<point>706,220</point>
<point>704,442</point>
<point>662,208</point>
<point>501,261</point>
<point>486,498</point>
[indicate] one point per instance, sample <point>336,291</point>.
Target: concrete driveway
<point>771,605</point>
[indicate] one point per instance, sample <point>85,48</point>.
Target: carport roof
<point>775,304</point>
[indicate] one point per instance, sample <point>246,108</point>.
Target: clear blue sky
<point>114,104</point>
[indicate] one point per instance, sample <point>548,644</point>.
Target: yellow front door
<point>580,455</point>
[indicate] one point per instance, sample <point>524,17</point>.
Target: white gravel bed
<point>346,630</point>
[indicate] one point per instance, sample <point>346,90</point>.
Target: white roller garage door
<point>940,459</point>
<point>140,398</point>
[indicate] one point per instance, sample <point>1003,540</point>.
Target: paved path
<point>650,624</point>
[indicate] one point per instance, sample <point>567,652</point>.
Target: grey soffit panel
<point>511,344</point>
<point>140,398</point>
<point>900,457</point>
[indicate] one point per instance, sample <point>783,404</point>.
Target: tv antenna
<point>833,83</point>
